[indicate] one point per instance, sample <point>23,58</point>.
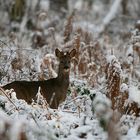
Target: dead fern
<point>47,67</point>
<point>76,45</point>
<point>68,27</point>
<point>17,64</point>
<point>136,48</point>
<point>119,99</point>
<point>123,99</point>
<point>133,109</point>
<point>113,76</point>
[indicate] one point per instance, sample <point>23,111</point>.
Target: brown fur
<point>54,89</point>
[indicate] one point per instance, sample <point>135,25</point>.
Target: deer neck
<point>63,77</point>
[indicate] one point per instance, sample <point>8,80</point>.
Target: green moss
<point>85,91</point>
<point>103,124</point>
<point>69,91</point>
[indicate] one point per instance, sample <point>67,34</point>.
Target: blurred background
<point>32,29</point>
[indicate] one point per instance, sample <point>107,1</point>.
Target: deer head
<point>64,60</point>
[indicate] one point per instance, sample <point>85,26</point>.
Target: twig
<point>7,112</point>
<point>79,110</point>
<point>79,97</point>
<point>34,119</point>
<point>8,98</point>
<point>3,43</point>
<point>69,111</point>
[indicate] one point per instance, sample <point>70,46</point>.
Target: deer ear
<point>72,53</point>
<point>57,53</point>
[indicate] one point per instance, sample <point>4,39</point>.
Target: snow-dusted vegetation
<point>103,98</point>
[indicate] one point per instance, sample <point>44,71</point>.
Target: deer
<point>54,90</point>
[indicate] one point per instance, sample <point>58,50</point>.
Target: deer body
<point>54,89</point>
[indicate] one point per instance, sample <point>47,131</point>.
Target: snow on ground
<point>82,119</point>
<point>39,122</point>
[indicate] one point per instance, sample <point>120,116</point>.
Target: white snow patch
<point>124,87</point>
<point>134,94</point>
<point>110,58</point>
